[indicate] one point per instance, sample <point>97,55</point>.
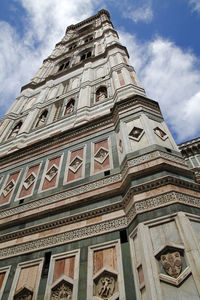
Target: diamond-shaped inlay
<point>29,180</point>
<point>101,155</point>
<point>8,188</point>
<point>136,133</point>
<point>51,173</point>
<point>76,164</point>
<point>159,132</point>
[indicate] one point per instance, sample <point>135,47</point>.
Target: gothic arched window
<point>42,118</point>
<point>69,108</point>
<point>101,93</point>
<point>15,130</point>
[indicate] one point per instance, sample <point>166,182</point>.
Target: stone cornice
<point>88,20</point>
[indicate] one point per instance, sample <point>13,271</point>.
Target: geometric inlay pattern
<point>62,290</point>
<point>75,164</point>
<point>101,155</point>
<point>51,173</point>
<point>8,188</point>
<point>159,132</point>
<point>29,180</point>
<point>136,133</point>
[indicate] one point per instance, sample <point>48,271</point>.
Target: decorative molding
<point>99,228</point>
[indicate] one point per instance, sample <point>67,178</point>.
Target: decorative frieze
<point>99,228</point>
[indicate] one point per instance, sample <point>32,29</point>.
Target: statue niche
<point>101,93</point>
<point>15,130</point>
<point>69,107</point>
<point>42,118</point>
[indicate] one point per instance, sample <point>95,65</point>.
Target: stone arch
<point>101,93</point>
<point>16,129</point>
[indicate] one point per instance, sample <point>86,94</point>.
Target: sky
<point>162,38</point>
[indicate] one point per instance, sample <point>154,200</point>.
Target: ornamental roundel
<point>101,155</point>
<point>172,263</point>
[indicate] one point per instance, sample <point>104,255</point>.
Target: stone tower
<point>96,199</point>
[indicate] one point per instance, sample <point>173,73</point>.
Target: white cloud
<point>195,4</point>
<point>169,76</point>
<point>137,11</point>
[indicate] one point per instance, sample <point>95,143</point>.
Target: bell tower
<point>96,200</point>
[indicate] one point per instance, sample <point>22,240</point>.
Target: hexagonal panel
<point>8,188</point>
<point>136,133</point>
<point>29,180</point>
<point>105,284</point>
<point>76,164</point>
<point>101,155</point>
<point>172,264</point>
<point>51,173</point>
<point>62,290</point>
<point>24,293</point>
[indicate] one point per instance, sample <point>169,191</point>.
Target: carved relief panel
<point>29,180</point>
<point>26,280</point>
<point>75,167</point>
<point>159,251</point>
<point>8,187</point>
<point>62,281</point>
<point>50,176</point>
<point>101,156</point>
<point>105,276</point>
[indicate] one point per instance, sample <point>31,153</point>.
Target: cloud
<point>195,4</point>
<point>171,77</point>
<point>138,11</point>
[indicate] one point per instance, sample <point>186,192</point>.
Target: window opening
<point>101,93</point>
<point>69,107</point>
<point>15,130</point>
<point>63,66</point>
<point>42,118</point>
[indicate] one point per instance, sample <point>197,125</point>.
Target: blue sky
<point>162,38</point>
